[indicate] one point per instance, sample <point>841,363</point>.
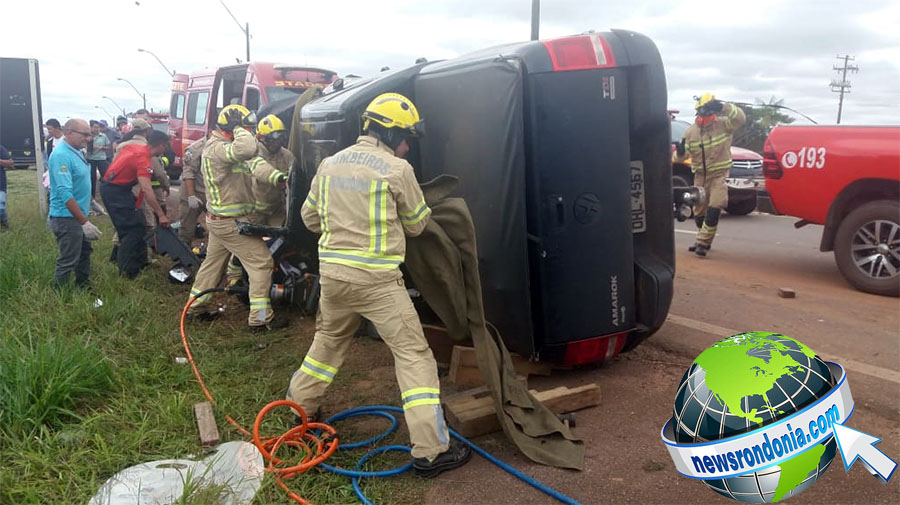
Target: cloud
<point>738,50</point>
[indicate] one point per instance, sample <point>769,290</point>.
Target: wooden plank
<point>206,423</point>
<point>464,367</point>
<point>472,413</point>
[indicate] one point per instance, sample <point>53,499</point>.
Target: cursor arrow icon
<point>855,445</point>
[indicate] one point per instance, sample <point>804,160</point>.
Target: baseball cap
<point>103,122</point>
<point>140,124</point>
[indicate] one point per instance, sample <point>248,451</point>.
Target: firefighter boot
<point>457,455</point>
<point>700,249</point>
<point>276,323</point>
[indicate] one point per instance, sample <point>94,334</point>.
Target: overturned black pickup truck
<point>562,151</point>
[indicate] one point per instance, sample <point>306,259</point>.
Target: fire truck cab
<point>197,98</point>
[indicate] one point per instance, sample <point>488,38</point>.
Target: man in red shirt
<point>132,166</point>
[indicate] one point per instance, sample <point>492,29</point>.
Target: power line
<point>843,86</point>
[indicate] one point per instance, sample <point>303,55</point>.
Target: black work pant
<point>74,252</point>
<point>130,225</point>
<point>97,167</point>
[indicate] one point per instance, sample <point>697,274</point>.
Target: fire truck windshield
<point>276,93</point>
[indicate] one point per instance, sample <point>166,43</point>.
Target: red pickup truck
<point>846,178</point>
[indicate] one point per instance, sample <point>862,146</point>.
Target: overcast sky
<point>740,52</point>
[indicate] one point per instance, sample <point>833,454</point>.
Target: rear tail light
<point>594,350</point>
<point>583,52</point>
<point>771,167</point>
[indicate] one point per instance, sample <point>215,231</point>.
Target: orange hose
<point>316,448</point>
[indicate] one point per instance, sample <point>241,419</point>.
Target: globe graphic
<point>745,382</point>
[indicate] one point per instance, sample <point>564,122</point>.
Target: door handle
<point>560,207</point>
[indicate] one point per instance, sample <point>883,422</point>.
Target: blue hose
<point>382,411</point>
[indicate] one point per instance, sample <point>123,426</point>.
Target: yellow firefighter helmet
<point>393,110</point>
<point>271,127</point>
<point>228,119</point>
<point>704,99</point>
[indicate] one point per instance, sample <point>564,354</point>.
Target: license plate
<point>638,209</point>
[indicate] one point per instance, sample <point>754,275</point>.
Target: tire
<point>742,206</point>
<point>867,248</point>
<point>681,181</point>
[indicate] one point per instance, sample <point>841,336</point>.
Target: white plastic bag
<point>233,469</point>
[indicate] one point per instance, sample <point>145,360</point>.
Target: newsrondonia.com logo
<point>759,417</point>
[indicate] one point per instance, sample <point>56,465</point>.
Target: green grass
<point>87,392</point>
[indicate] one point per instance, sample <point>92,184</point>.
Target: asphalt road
<point>734,289</point>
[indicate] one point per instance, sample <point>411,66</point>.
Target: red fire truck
<point>846,178</point>
<point>198,98</point>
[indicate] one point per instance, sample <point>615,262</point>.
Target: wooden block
<point>464,367</point>
<point>206,423</point>
<point>472,413</point>
<point>786,293</point>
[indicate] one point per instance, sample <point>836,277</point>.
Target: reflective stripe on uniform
<point>260,303</point>
<point>311,202</point>
<point>709,143</point>
<point>211,186</point>
<point>418,214</point>
<point>323,211</point>
<point>201,300</point>
<point>261,205</point>
<point>359,259</point>
<point>273,177</point>
<point>732,114</point>
<point>377,217</point>
<point>721,165</point>
<point>318,369</point>
<point>420,396</point>
<point>234,210</point>
<point>229,152</point>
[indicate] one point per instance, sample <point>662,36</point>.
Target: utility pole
<point>843,86</point>
<point>535,18</point>
<point>245,28</point>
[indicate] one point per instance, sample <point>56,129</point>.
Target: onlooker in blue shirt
<point>5,162</point>
<point>70,199</point>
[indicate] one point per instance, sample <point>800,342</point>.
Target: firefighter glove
<point>91,232</point>
<point>679,148</point>
<point>281,180</point>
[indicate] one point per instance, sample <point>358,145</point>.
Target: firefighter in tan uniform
<point>192,200</point>
<point>271,201</point>
<point>364,200</point>
<point>230,161</point>
<point>708,144</point>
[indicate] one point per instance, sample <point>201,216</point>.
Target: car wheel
<point>867,248</point>
<point>741,206</point>
<point>680,181</point>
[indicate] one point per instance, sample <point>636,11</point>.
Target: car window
<point>177,106</point>
<point>252,98</point>
<point>678,129</point>
<point>197,102</point>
